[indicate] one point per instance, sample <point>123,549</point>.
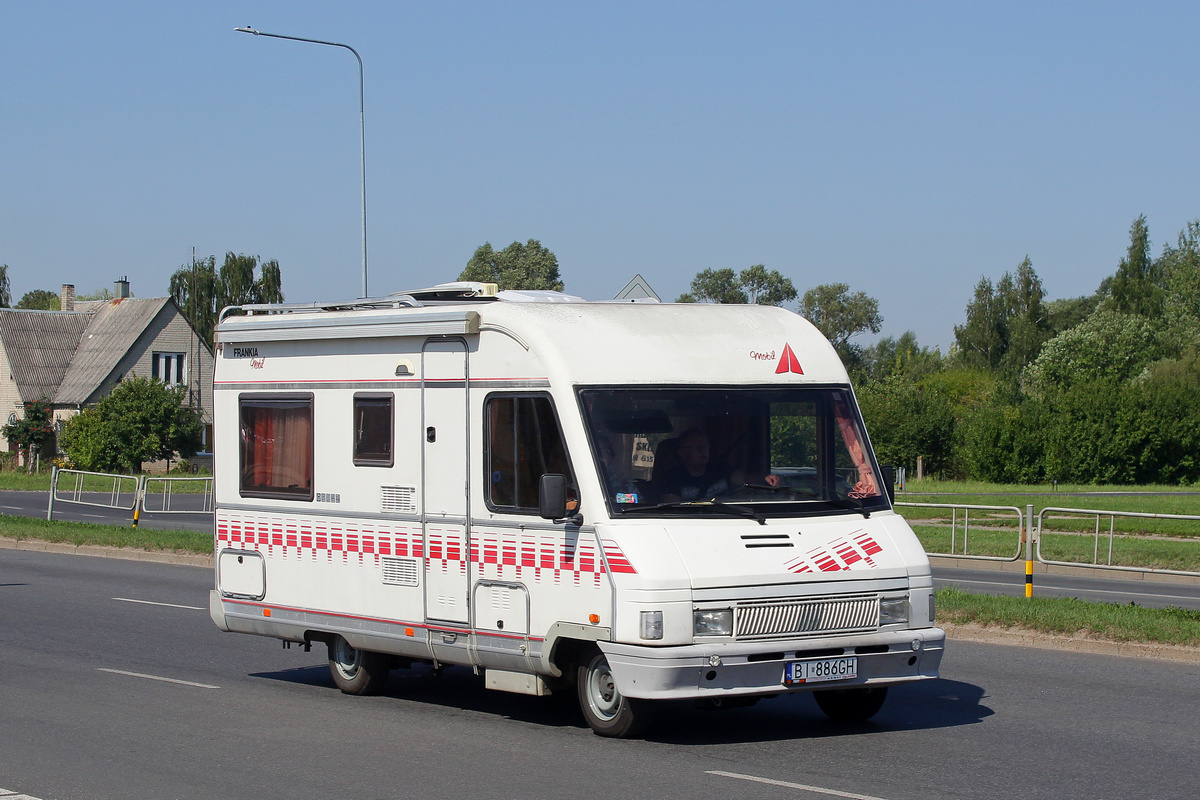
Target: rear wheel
<point>357,671</point>
<point>851,705</point>
<point>607,711</point>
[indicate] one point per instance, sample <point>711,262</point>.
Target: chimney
<point>68,297</point>
<point>121,290</point>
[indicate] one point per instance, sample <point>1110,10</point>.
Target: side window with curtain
<point>277,446</point>
<point>373,430</point>
<point>524,442</point>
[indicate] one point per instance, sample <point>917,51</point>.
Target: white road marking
<point>157,678</point>
<point>1058,588</point>
<point>152,603</point>
<point>787,785</point>
<point>5,794</point>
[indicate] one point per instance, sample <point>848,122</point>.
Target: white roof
<point>583,342</point>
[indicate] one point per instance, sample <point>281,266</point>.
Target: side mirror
<point>552,496</point>
<point>889,481</point>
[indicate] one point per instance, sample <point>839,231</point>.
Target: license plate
<point>821,669</point>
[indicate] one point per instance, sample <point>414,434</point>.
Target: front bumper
<point>756,668</point>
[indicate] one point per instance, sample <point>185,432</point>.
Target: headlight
<point>893,610</point>
<point>652,625</point>
<point>713,622</point>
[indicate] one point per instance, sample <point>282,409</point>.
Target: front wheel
<point>607,711</point>
<point>851,705</point>
<point>357,671</point>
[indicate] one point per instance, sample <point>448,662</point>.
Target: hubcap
<point>346,658</point>
<point>602,694</point>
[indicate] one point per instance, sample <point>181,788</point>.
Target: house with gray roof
<point>75,356</point>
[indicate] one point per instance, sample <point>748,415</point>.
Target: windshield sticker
<point>788,362</point>
<point>627,497</point>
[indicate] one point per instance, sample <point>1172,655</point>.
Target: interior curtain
<point>866,485</point>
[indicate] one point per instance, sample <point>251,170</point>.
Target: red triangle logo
<point>788,362</point>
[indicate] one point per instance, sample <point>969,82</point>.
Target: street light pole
<point>362,131</point>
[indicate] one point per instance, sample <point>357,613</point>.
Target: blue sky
<point>903,148</point>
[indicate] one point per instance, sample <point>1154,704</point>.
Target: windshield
<point>703,450</point>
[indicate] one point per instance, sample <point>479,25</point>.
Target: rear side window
<point>277,446</point>
<point>373,430</point>
<point>524,442</point>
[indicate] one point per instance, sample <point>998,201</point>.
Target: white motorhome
<point>634,501</point>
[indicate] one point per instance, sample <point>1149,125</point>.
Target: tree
<point>1136,287</point>
<point>140,420</point>
<point>1180,270</point>
<point>1106,346</point>
<point>40,300</point>
<point>5,287</point>
<point>839,314</point>
<point>103,293</point>
<point>34,432</point>
<point>201,290</point>
<point>901,358</point>
<point>1006,324</point>
<point>755,284</point>
<point>528,266</point>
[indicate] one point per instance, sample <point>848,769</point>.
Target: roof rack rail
<point>442,293</point>
<point>392,301</point>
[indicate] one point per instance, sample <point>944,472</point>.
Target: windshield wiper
<point>716,505</point>
<point>853,504</point>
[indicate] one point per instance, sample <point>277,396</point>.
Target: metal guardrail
<point>168,493</point>
<point>1111,535</point>
<point>1018,541</point>
<point>75,494</point>
<point>125,493</point>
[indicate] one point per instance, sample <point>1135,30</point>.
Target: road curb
<point>98,551</point>
<point>1079,644</point>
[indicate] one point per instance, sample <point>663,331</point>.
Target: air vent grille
<point>754,540</point>
<point>399,571</point>
<point>398,499</point>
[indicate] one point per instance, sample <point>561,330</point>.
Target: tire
<point>851,705</point>
<point>357,671</point>
<point>607,711</point>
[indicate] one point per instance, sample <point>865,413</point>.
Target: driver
<point>696,478</point>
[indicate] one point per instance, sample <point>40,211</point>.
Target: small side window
<point>373,415</point>
<point>523,443</point>
<point>277,446</point>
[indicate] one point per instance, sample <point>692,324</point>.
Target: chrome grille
<point>813,617</point>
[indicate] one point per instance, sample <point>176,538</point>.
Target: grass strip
<point>83,533</point>
<point>1069,616</point>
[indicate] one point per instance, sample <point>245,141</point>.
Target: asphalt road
<point>115,684</point>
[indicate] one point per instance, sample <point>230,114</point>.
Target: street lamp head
<point>246,29</point>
